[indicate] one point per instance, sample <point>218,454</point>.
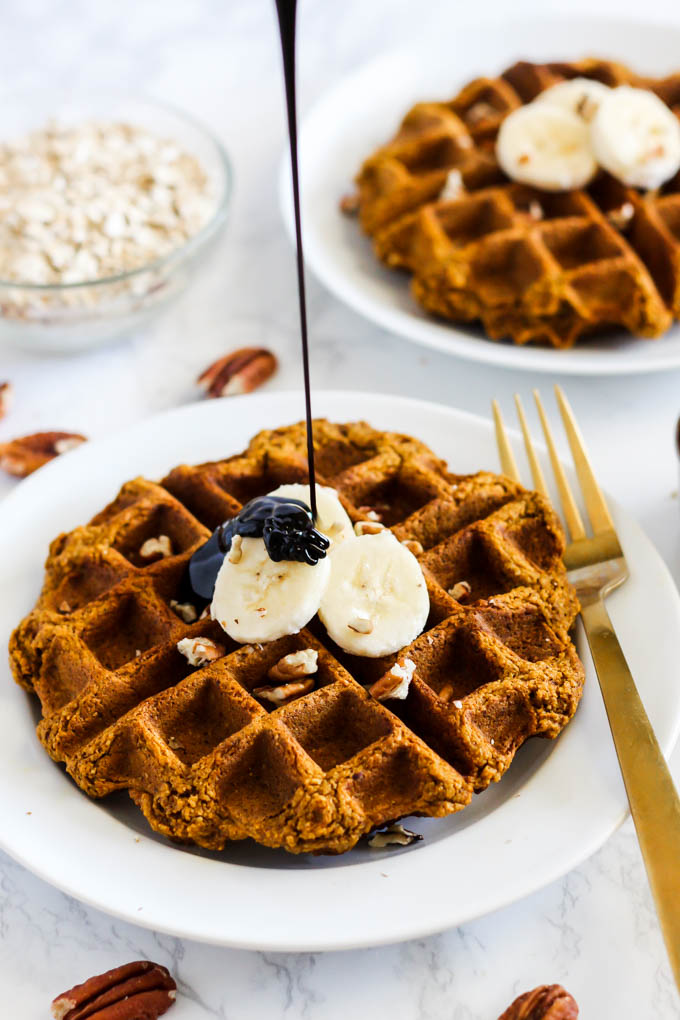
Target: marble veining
<point>594,930</point>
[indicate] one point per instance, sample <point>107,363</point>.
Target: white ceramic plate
<point>364,110</point>
<point>558,803</point>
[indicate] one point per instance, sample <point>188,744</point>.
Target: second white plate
<point>557,804</point>
<point>364,109</point>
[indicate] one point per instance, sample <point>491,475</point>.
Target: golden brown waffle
<point>203,758</point>
<point>532,266</point>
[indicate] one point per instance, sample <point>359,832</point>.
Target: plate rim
<point>411,928</point>
<point>450,338</point>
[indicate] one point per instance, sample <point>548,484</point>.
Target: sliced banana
<point>376,601</point>
<point>258,600</point>
<point>581,96</point>
<point>332,517</point>
<point>636,137</point>
<point>547,147</point>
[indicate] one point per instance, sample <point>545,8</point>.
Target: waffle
<point>532,266</point>
<point>203,758</point>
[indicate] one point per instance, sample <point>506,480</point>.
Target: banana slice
<point>636,137</point>
<point>581,96</point>
<point>258,600</point>
<point>376,601</point>
<point>547,147</point>
<point>332,516</point>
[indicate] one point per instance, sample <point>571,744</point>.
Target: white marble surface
<point>595,930</point>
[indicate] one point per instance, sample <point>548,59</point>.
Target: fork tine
<point>592,494</point>
<point>571,513</point>
<point>536,472</point>
<point>507,457</point>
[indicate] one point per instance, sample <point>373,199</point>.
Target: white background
<point>595,930</point>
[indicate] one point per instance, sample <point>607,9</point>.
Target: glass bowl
<point>74,316</point>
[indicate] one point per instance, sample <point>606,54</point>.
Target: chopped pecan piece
<point>6,397</point>
<point>391,835</point>
<point>295,665</point>
<point>349,204</point>
<point>284,693</point>
<point>413,546</point>
<point>460,591</point>
<point>235,553</point>
<point>241,371</point>
<point>480,111</point>
<point>454,186</point>
<point>361,624</point>
<point>369,513</point>
<point>185,610</point>
<point>621,217</point>
<point>396,683</point>
<point>156,548</point>
<point>136,990</point>
<point>23,456</point>
<point>199,651</point>
<point>368,527</point>
<point>548,1002</point>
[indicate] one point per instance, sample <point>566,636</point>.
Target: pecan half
<point>23,456</point>
<point>139,989</point>
<point>548,1002</point>
<point>241,371</point>
<point>6,397</point>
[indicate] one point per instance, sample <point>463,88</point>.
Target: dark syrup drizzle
<point>286,525</point>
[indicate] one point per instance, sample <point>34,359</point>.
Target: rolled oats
<point>84,202</point>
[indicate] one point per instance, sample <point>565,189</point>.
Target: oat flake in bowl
<point>103,215</point>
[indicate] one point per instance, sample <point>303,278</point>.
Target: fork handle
<point>654,801</point>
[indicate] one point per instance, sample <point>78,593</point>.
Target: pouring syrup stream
<point>287,526</point>
<point>286,10</point>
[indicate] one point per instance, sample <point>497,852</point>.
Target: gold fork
<point>596,566</point>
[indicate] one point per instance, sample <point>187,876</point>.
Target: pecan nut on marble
<point>23,456</point>
<point>137,991</point>
<point>241,371</point>
<point>548,1002</point>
